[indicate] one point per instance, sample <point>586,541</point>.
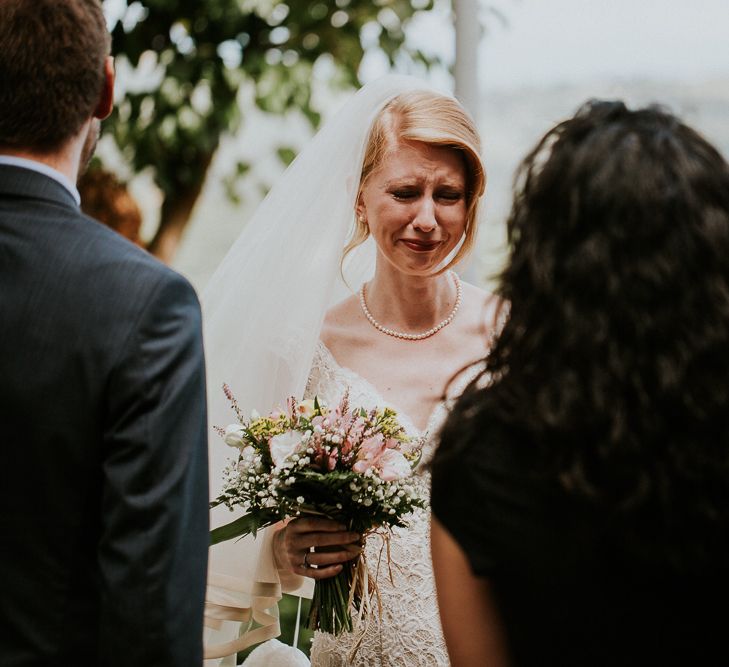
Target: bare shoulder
<point>483,309</point>
<point>341,322</point>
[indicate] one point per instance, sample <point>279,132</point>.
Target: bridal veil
<point>262,312</point>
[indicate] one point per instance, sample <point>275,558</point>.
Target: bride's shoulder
<point>340,322</point>
<point>484,308</point>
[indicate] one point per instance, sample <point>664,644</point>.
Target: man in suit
<point>103,458</point>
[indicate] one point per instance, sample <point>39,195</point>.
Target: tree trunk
<point>174,217</point>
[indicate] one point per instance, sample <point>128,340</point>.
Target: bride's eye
<point>450,195</point>
<point>404,194</point>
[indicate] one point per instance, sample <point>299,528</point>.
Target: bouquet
<point>348,464</point>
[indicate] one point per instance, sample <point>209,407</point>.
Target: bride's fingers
<point>313,524</point>
<point>332,545</point>
<point>320,572</point>
<point>324,564</point>
<point>331,539</point>
<point>303,541</point>
<point>324,558</point>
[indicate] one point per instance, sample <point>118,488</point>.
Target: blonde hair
<point>433,119</point>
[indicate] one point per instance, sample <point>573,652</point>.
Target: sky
<point>548,42</point>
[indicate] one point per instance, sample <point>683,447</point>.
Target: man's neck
<point>62,161</point>
<point>60,165</point>
<point>65,160</point>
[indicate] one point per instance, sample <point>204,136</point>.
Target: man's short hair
<point>52,55</point>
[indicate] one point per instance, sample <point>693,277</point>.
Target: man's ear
<point>106,99</point>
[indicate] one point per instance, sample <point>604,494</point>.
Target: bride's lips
<point>420,246</point>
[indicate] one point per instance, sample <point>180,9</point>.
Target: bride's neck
<point>408,303</point>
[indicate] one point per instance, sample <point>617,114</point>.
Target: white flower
<point>234,436</point>
<point>249,454</point>
<point>282,446</point>
<point>306,408</point>
<point>393,465</point>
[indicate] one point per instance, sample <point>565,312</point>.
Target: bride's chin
<point>418,266</point>
<point>423,266</point>
<point>420,272</point>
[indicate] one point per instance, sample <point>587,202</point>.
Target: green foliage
<point>192,57</point>
<point>249,524</point>
<point>286,154</point>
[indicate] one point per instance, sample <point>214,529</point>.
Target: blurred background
<point>215,97</point>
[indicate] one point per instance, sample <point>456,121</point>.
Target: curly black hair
<point>614,359</point>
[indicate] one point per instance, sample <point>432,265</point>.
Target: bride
<point>385,199</point>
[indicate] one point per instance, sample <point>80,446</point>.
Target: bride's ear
<point>360,210</point>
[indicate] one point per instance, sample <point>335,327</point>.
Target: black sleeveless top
<point>576,585</point>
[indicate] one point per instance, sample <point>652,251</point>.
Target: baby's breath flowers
<point>349,464</point>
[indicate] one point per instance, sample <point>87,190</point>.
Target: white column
<point>468,36</point>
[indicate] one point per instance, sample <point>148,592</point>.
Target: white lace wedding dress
<point>408,634</point>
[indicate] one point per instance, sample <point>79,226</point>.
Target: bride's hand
<point>333,545</point>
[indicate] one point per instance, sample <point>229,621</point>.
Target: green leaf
<point>286,154</point>
<point>249,524</point>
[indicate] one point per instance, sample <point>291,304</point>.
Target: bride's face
<point>415,206</point>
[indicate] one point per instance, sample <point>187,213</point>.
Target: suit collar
<point>22,182</point>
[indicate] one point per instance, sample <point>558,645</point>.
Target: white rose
<point>234,436</point>
<point>248,453</point>
<point>306,408</point>
<point>282,446</point>
<point>393,465</point>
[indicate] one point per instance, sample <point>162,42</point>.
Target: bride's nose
<point>424,219</point>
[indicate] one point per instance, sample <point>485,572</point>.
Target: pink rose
<point>369,453</point>
<point>371,448</point>
<point>361,467</point>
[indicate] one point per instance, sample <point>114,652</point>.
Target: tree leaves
<point>189,58</point>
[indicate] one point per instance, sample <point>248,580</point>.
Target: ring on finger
<point>306,564</point>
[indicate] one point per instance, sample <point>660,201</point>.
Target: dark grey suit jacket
<point>103,456</point>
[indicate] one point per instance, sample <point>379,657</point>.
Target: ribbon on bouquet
<point>222,606</point>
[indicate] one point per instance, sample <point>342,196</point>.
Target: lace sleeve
<point>323,381</point>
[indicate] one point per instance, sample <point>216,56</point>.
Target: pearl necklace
<point>407,336</point>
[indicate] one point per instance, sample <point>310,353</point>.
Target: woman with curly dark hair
<point>581,489</point>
